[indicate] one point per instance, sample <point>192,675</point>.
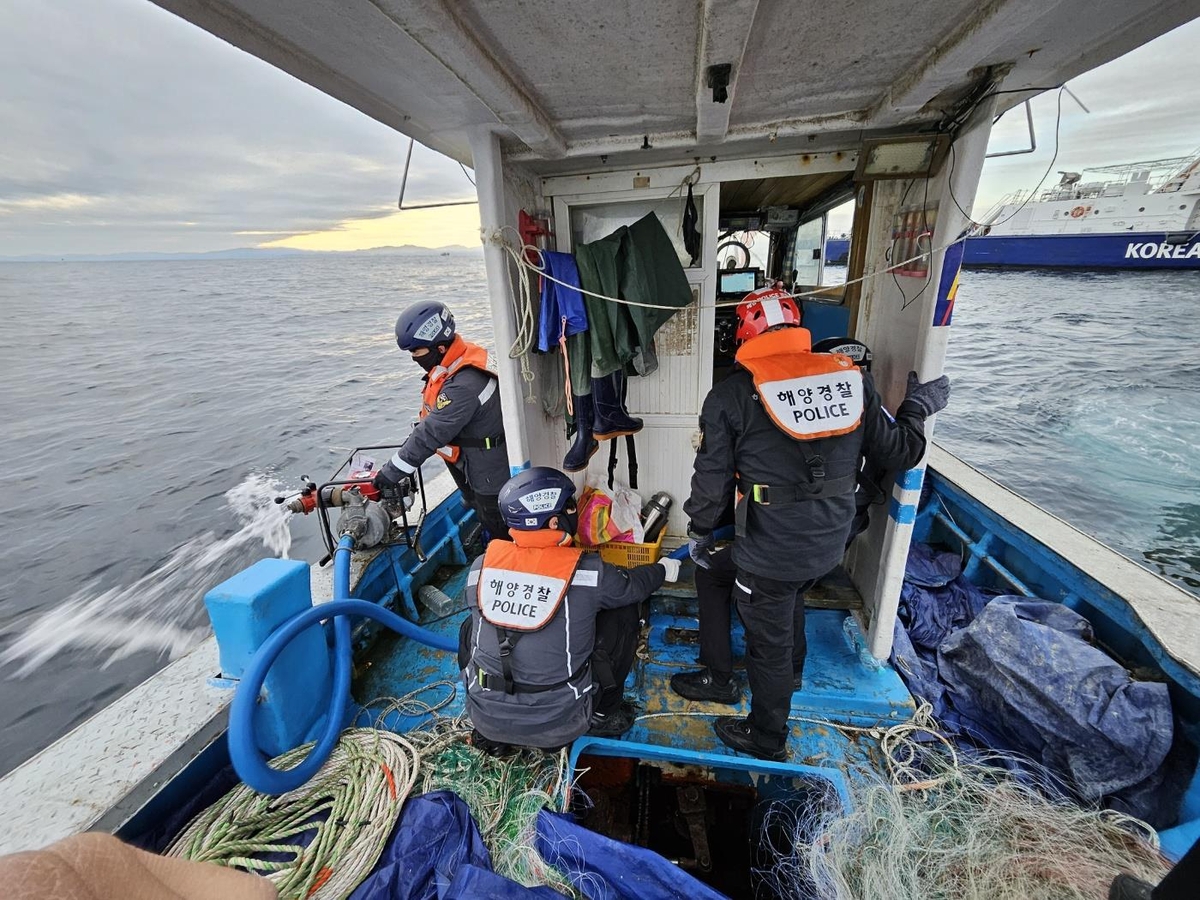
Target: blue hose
<point>681,553</point>
<point>249,762</point>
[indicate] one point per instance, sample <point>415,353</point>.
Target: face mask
<point>431,360</point>
<point>569,521</point>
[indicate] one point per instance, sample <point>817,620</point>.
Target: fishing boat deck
<point>842,687</point>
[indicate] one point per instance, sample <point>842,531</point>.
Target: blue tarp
<point>1021,674</point>
<point>604,869</point>
<point>435,852</point>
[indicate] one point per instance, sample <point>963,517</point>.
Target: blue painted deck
<point>838,690</point>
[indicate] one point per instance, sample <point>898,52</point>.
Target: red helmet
<point>764,309</point>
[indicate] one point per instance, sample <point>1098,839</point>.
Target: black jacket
<point>789,539</point>
<point>471,409</point>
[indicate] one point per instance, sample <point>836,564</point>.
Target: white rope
<point>496,236</point>
<point>360,788</point>
<point>522,344</point>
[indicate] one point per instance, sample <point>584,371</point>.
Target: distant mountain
<point>241,253</point>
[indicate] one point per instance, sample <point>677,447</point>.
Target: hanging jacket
<point>461,420</point>
<point>636,263</point>
<point>533,607</point>
<point>796,496</point>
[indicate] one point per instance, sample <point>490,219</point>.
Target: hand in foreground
<point>701,548</point>
<point>930,396</point>
<point>391,482</point>
<point>672,567</point>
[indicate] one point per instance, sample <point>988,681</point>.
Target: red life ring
<point>1079,211</point>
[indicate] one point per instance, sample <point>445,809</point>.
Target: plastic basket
<point>622,553</point>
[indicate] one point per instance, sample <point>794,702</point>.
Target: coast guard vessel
<point>578,118</point>
<point>1142,215</point>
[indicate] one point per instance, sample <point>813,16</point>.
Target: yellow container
<point>621,553</point>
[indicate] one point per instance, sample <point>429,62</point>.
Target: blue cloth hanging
<point>559,302</point>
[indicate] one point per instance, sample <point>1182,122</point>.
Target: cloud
<point>127,128</point>
<point>1140,109</point>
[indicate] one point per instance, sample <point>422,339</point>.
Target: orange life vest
<point>522,584</point>
<point>807,395</point>
<point>460,354</point>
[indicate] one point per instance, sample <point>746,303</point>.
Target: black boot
<point>613,723</point>
<point>737,735</point>
<point>585,445</point>
<point>608,396</point>
<point>703,685</point>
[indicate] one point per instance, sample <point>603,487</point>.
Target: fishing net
<point>940,828</point>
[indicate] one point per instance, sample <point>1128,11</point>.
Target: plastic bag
<point>627,514</point>
<point>604,518</point>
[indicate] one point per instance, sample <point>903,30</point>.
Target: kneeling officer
<point>553,629</point>
<point>460,413</point>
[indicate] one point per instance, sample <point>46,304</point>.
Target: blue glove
<point>929,397</point>
<point>701,548</point>
<point>391,482</point>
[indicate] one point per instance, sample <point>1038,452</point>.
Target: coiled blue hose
<point>248,761</point>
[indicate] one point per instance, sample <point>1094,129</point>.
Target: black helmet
<point>856,350</point>
<point>424,324</point>
<point>533,497</point>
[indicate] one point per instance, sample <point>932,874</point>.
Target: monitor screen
<point>741,281</point>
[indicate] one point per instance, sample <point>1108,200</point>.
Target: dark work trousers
<point>714,595</point>
<point>617,632</point>
<point>774,653</point>
<point>486,506</point>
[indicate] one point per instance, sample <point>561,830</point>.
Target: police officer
<point>786,429</point>
<point>552,631</point>
<point>714,682</point>
<point>460,414</point>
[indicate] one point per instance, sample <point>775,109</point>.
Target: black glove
<point>391,482</point>
<point>701,548</point>
<point>928,397</point>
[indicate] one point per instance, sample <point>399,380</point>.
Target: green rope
<point>353,802</point>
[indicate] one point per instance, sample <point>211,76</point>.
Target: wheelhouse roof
<point>568,81</point>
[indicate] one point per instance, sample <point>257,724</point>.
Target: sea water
<point>152,411</point>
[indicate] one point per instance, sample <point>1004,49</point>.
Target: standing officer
<point>460,414</point>
<point>714,584</point>
<point>553,630</point>
<point>787,429</point>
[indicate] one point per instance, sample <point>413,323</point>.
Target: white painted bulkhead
<point>894,317</point>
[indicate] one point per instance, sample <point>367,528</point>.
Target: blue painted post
<point>244,611</point>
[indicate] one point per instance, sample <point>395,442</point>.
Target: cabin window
<point>594,221</point>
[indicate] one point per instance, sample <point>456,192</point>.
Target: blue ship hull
<point>1092,251</point>
<point>837,251</point>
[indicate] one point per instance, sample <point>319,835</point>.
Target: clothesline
<point>496,236</point>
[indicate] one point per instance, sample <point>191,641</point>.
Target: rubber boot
<point>612,420</point>
<point>585,445</point>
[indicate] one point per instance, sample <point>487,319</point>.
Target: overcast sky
<point>124,128</point>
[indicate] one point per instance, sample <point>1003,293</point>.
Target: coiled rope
<point>351,804</point>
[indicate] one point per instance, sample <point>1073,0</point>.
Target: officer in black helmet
<point>552,631</point>
<point>460,419</point>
